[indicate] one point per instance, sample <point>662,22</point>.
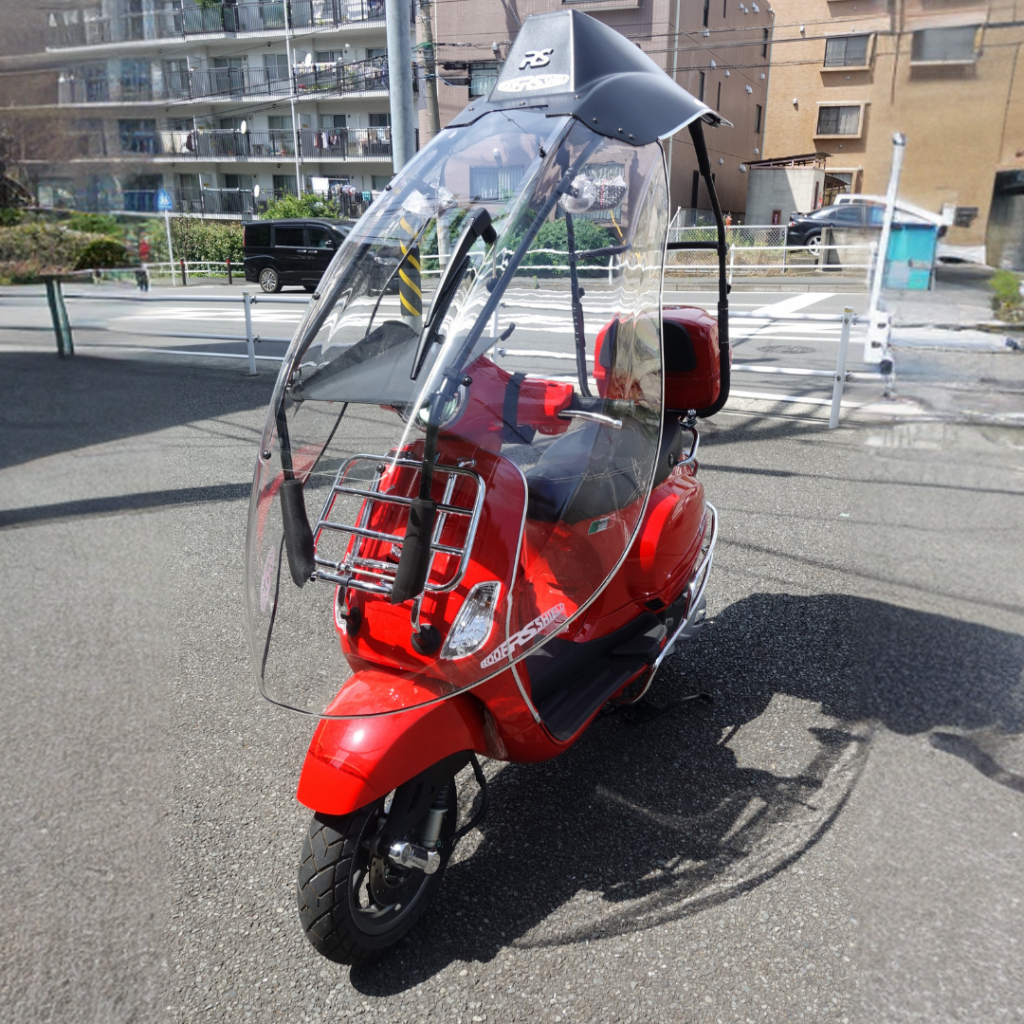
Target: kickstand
<point>478,817</point>
<point>643,711</point>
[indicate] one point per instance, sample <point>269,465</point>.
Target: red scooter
<point>449,556</point>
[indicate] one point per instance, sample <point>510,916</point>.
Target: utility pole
<point>403,114</point>
<point>291,92</point>
<point>430,70</point>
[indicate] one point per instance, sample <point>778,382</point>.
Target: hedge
<point>195,240</point>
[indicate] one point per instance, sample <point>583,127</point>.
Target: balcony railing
<point>314,144</point>
<point>207,202</point>
<point>83,27</point>
<point>228,83</point>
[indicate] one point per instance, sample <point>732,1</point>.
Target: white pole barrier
<point>170,250</point>
<point>250,340</point>
<point>876,344</point>
<point>837,387</point>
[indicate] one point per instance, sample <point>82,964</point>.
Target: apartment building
<point>846,74</point>
<point>718,50</point>
<point>209,99</point>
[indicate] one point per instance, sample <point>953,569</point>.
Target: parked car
<point>280,252</point>
<point>851,211</point>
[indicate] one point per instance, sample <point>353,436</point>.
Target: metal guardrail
<point>63,329</point>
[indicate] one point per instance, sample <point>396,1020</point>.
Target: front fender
<point>352,762</point>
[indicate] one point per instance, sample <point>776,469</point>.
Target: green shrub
<point>96,223</point>
<point>101,253</point>
<point>555,235</point>
<point>10,216</point>
<point>307,205</point>
<point>47,245</point>
<point>195,240</point>
<point>1007,301</point>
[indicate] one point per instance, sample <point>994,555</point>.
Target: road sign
<point>163,200</point>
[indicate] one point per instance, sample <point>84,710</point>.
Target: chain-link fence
<point>757,249</point>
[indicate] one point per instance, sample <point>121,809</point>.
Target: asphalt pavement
<point>838,837</point>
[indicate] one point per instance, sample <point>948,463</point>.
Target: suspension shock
<point>431,837</point>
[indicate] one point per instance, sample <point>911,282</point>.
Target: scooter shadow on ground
<point>641,824</point>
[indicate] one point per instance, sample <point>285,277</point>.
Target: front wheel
<point>270,280</point>
<point>814,245</point>
<point>354,903</point>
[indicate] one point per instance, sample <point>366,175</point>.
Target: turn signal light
<point>473,624</point>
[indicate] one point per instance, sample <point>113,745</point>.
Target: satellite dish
<point>243,127</point>
<point>256,191</point>
<point>309,60</point>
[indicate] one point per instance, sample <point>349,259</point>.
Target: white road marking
<point>792,304</point>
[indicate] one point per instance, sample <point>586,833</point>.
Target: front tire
<point>354,904</point>
<point>270,280</point>
<point>814,245</point>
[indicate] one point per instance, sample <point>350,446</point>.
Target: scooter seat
<point>595,470</point>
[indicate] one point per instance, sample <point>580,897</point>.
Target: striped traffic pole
<point>410,288</point>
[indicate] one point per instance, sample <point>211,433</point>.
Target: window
<point>177,80</point>
<point>293,237</point>
<point>707,7</point>
<point>846,215</point>
<point>276,65</point>
<point>945,45</point>
<point>241,181</point>
<point>379,181</point>
<point>135,82</point>
<point>846,52</point>
<point>758,115</point>
<point>482,76</point>
<point>371,53</point>
<point>329,56</point>
<point>137,136</point>
<point>700,87</point>
<point>284,184</point>
<point>494,183</point>
<point>320,238</point>
<point>838,120</point>
<point>257,236</point>
<point>380,121</point>
<point>333,120</point>
<point>279,122</point>
<point>765,36</point>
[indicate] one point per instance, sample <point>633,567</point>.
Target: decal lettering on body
<point>526,634</point>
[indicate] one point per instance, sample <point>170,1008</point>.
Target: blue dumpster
<point>911,258</point>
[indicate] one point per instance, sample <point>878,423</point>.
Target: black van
<point>280,252</point>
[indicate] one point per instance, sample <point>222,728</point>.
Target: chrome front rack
<point>377,576</point>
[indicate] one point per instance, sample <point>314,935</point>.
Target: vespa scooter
<point>449,557</point>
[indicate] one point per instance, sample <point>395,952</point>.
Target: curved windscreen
<point>442,486</point>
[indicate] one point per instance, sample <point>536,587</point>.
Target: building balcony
<point>275,144</point>
<point>227,203</point>
<point>309,81</point>
<point>84,27</point>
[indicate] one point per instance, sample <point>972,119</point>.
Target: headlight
<point>473,624</point>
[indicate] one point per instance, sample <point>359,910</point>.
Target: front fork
<point>425,855</point>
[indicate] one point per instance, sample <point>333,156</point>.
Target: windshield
<point>469,417</point>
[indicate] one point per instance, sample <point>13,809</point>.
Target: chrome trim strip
<point>591,417</point>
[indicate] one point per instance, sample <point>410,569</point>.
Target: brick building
<point>718,50</point>
<point>846,74</point>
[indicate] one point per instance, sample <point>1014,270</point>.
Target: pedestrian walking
<point>142,275</point>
